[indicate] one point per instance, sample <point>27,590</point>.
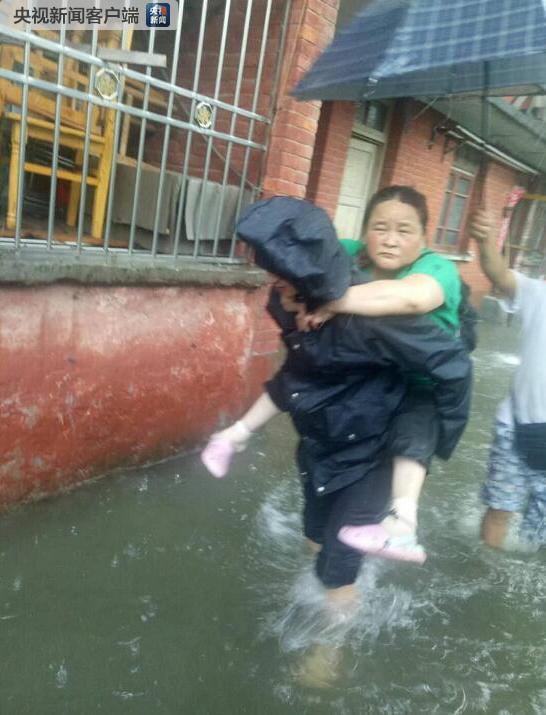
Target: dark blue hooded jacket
<point>343,383</point>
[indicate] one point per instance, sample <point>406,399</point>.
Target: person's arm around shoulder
<point>415,294</point>
<point>491,261</point>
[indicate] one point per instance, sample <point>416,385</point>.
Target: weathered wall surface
<point>92,377</point>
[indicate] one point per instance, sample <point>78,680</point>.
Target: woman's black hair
<point>404,194</point>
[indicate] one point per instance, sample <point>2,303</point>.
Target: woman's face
<point>394,236</point>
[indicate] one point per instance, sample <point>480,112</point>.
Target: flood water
<point>163,590</point>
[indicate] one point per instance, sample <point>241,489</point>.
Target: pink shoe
<point>217,456</point>
<point>374,539</point>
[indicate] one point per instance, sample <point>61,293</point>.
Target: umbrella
<point>423,48</point>
<point>432,48</point>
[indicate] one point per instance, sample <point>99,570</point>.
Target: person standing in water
<point>406,279</point>
<point>516,479</point>
<point>342,384</point>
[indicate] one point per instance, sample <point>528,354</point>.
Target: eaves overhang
<point>507,128</point>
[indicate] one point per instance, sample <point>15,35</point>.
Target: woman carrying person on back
<point>343,384</point>
<point>407,278</point>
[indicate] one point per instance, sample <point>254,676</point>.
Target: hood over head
<point>296,241</point>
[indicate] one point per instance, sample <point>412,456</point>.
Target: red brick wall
<point>294,130</point>
<point>414,157</point>
<point>330,154</point>
<point>411,158</point>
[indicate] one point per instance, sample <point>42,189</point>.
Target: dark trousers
<point>362,502</point>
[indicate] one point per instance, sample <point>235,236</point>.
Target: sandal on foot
<point>375,540</point>
<point>217,456</point>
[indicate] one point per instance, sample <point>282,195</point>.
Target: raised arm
<point>491,261</point>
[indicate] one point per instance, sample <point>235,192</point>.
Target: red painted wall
<point>94,377</point>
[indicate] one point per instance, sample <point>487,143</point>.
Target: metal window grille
<point>449,234</point>
<point>123,156</point>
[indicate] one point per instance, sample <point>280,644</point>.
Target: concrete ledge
<point>38,268</point>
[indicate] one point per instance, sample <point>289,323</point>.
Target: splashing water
<point>303,617</point>
<point>407,616</point>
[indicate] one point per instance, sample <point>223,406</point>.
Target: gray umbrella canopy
<point>424,48</point>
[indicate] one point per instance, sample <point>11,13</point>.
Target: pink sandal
<point>217,456</point>
<point>375,540</point>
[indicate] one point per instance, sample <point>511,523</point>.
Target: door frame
<point>378,139</point>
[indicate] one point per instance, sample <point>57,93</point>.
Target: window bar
<point>142,138</point>
<point>167,134</point>
<point>274,99</point>
<point>225,177</point>
<point>22,144</point>
<point>80,56</point>
<point>192,94</point>
<point>56,141</point>
<point>133,111</point>
<point>196,75</point>
<point>48,45</point>
<point>210,140</point>
<point>125,34</point>
<point>86,144</point>
<point>257,86</point>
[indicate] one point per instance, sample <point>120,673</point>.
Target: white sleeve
<point>529,291</point>
<point>512,305</point>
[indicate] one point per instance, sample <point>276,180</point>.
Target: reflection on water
<point>164,591</point>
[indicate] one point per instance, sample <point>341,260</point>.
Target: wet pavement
<point>163,590</point>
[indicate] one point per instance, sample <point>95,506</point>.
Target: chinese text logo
<point>158,14</point>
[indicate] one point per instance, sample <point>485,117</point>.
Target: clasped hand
<point>314,320</point>
<point>305,320</point>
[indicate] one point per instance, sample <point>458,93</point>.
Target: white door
<point>357,184</point>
